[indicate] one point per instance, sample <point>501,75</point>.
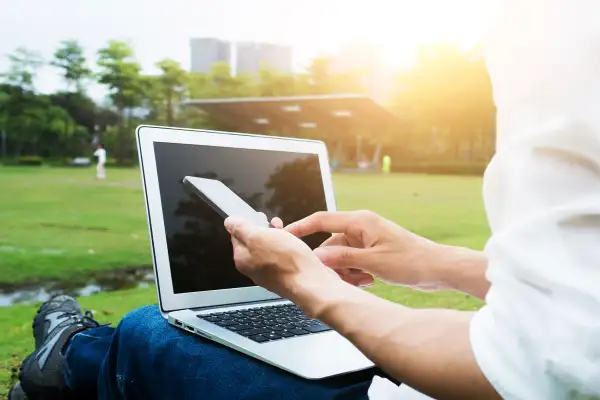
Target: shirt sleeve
<point>538,337</point>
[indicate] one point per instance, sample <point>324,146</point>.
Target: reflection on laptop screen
<point>283,184</point>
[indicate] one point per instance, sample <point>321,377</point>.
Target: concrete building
<point>207,51</point>
<point>251,57</point>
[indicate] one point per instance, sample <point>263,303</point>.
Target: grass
<point>52,218</point>
<point>59,222</point>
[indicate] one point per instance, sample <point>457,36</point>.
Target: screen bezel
<point>146,136</point>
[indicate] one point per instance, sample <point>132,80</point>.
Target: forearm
<point>426,349</point>
<point>464,270</point>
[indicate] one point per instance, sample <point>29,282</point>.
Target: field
<point>60,223</point>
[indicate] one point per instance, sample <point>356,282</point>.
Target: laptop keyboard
<point>268,323</point>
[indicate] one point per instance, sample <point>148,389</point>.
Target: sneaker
<point>57,320</point>
<point>17,393</point>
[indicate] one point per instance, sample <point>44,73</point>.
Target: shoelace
<point>87,320</point>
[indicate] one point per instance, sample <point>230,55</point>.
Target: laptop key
<point>297,331</point>
<point>286,334</point>
<point>277,328</point>
<point>236,328</point>
<point>254,332</point>
<point>272,336</point>
<point>225,323</point>
<point>317,328</point>
<point>210,319</point>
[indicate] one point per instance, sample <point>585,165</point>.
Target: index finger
<point>323,221</point>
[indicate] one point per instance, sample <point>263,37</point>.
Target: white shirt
<point>101,154</point>
<point>538,337</point>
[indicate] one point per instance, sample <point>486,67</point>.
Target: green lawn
<point>59,222</point>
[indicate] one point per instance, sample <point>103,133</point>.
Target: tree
<point>22,111</point>
<point>24,65</point>
<point>172,83</point>
<point>70,59</point>
<point>448,98</point>
<point>121,73</point>
<point>274,84</point>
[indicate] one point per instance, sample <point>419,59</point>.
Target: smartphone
<point>223,200</point>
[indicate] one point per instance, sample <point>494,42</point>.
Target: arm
<point>464,270</point>
<point>426,349</point>
<point>365,241</point>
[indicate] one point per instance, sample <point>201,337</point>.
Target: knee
<point>141,321</point>
<point>141,314</point>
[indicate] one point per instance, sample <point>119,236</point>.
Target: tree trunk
<point>119,153</point>
<point>169,109</point>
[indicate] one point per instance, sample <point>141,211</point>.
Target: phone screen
<point>224,200</point>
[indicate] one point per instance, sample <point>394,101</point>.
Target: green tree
<point>70,59</point>
<point>220,83</point>
<point>172,86</point>
<point>447,97</point>
<point>274,84</point>
<point>22,110</point>
<point>120,72</point>
<point>24,65</point>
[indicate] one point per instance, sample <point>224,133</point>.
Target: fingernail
<point>321,253</point>
<point>365,282</point>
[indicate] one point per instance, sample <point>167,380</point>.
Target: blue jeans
<point>144,357</point>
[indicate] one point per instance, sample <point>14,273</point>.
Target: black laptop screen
<point>283,184</point>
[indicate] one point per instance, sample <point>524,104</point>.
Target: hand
<point>275,259</point>
<point>366,242</point>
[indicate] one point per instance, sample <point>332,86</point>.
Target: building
<point>251,57</point>
<point>207,51</point>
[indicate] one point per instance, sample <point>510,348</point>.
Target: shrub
<point>30,160</point>
<point>442,168</point>
<point>112,163</point>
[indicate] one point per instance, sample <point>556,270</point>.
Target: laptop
<point>199,288</point>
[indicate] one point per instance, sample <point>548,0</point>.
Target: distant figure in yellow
<point>386,165</point>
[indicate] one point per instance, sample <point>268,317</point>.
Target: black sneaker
<point>17,393</point>
<point>57,320</point>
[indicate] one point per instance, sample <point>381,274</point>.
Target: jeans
<point>144,357</point>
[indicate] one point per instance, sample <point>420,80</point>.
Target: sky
<point>162,28</point>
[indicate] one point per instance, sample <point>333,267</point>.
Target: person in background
<point>100,154</point>
<point>386,164</point>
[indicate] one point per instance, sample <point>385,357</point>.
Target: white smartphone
<point>222,199</point>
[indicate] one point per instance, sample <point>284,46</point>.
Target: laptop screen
<point>283,184</point>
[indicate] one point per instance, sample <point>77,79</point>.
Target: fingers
<point>331,222</point>
<point>240,228</point>
<point>277,223</point>
<point>338,239</point>
<point>340,256</point>
<point>241,254</point>
<point>357,278</point>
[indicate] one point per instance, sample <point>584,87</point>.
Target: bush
<point>112,163</point>
<point>30,160</point>
<point>442,168</point>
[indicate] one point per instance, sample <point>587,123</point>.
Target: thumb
<point>239,228</point>
<point>340,256</point>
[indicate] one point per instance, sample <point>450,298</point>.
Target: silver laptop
<point>199,289</point>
